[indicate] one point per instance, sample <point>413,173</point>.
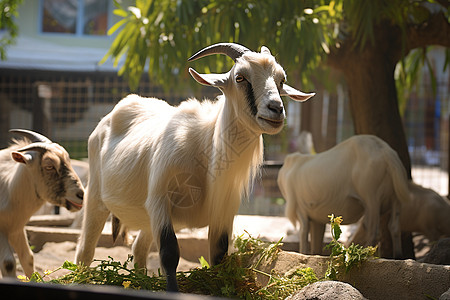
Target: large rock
<point>445,296</point>
<point>327,290</point>
<point>378,278</point>
<point>439,253</point>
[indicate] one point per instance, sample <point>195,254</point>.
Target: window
<point>78,17</point>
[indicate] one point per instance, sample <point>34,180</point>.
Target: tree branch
<point>444,3</point>
<point>436,31</point>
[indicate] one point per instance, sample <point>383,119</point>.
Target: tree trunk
<point>369,74</point>
<point>375,111</point>
<point>373,100</point>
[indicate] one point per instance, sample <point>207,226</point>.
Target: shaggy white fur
<point>159,168</point>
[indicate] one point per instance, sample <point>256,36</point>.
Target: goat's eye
<point>239,78</point>
<point>49,168</point>
<point>282,82</point>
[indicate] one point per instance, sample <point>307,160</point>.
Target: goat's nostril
<point>275,106</point>
<point>80,195</point>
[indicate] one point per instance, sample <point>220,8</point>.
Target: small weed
<point>342,259</point>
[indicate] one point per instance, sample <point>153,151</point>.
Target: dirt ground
<point>53,255</point>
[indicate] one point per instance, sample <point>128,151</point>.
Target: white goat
<point>158,167</point>
<point>32,171</point>
<point>427,213</point>
<point>361,176</point>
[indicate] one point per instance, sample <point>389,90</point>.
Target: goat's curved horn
<point>41,147</point>
<point>232,50</point>
<point>32,136</point>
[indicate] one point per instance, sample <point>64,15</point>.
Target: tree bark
<point>369,74</point>
<point>373,102</point>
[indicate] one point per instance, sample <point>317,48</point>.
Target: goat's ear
<point>295,94</point>
<point>215,80</point>
<point>23,158</point>
<point>265,50</point>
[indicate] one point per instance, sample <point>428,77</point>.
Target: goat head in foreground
<point>257,79</point>
<point>58,183</point>
<point>32,171</point>
<point>158,168</point>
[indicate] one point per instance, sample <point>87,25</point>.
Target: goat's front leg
<point>218,244</point>
<point>219,236</point>
<point>7,261</point>
<point>19,242</point>
<point>141,247</point>
<point>94,218</point>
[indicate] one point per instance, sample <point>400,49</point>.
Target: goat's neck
<point>238,148</point>
<point>24,196</point>
<point>236,157</point>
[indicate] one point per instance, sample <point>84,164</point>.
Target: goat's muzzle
<point>75,203</point>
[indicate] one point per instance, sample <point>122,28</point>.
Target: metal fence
<point>67,106</point>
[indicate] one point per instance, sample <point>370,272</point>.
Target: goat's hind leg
<point>304,246</point>
<point>7,260</point>
<point>394,229</point>
<point>166,240</point>
<point>317,231</point>
<point>169,254</point>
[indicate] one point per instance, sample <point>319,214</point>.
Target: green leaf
<point>120,13</point>
<point>36,277</point>
<point>203,262</point>
<point>69,266</point>
<point>116,26</point>
<point>336,230</point>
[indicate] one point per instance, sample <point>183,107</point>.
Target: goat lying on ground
<point>360,177</point>
<point>32,171</point>
<point>159,168</point>
<point>427,213</point>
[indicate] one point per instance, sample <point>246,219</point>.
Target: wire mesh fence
<point>67,106</point>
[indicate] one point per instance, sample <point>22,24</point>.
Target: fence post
<point>42,109</point>
<point>42,94</point>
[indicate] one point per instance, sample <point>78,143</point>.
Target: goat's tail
<point>291,210</point>
<point>399,178</point>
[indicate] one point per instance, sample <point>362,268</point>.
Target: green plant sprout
<point>342,259</point>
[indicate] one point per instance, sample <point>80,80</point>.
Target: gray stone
<point>327,290</point>
<point>377,279</point>
<point>445,296</point>
<point>439,253</point>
